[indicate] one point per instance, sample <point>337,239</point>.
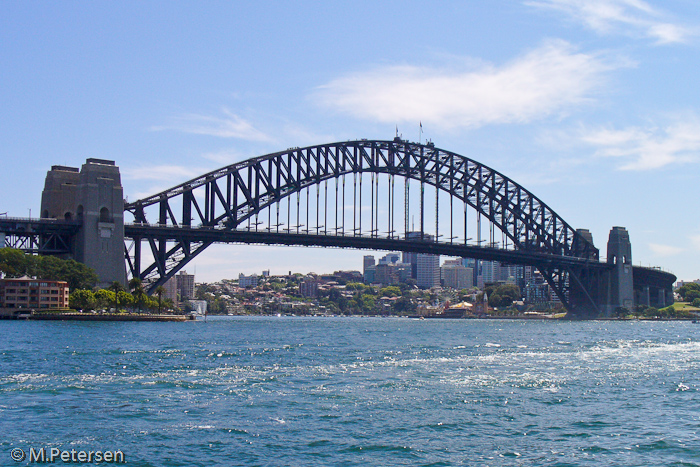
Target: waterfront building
<point>537,292</point>
<point>199,307</point>
<point>171,291</point>
<point>26,292</point>
<point>185,285</point>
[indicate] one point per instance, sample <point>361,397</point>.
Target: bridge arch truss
<point>286,197</point>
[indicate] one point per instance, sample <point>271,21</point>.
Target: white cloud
<point>695,240</point>
<point>229,126</point>
<point>551,79</point>
<point>648,148</point>
<point>664,250</point>
<point>629,16</point>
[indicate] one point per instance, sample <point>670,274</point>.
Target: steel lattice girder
<point>42,236</point>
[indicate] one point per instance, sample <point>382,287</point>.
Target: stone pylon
<point>92,196</point>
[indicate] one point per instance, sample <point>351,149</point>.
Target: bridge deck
<point>214,235</point>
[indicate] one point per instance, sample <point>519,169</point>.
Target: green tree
<point>390,291</point>
<point>124,300</point>
<point>76,274</point>
<point>151,304</point>
<point>105,299</point>
<point>15,263</point>
<point>367,303</point>
<point>332,308</point>
<point>217,307</point>
<point>116,287</point>
<point>502,295</point>
<point>696,303</point>
<point>404,305</point>
<point>138,293</point>
<point>334,295</point>
<point>168,304</point>
<point>688,290</point>
<point>83,300</point>
<point>496,300</point>
<point>691,295</point>
<point>160,290</point>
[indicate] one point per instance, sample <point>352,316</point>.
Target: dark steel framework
<point>39,236</point>
<point>270,200</point>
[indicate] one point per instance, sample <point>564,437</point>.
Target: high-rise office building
<point>390,258</point>
<point>369,275</point>
<point>171,291</point>
<point>425,269</point>
<point>185,285</point>
<point>368,269</point>
<point>455,275</point>
<point>386,274</point>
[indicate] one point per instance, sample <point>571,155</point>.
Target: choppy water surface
<point>354,391</point>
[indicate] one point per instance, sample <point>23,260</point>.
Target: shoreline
<point>431,318</point>
<point>100,317</point>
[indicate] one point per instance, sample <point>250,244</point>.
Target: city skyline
<point>590,105</point>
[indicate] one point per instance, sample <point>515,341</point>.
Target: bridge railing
<point>38,220</point>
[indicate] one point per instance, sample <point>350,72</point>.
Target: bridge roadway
<point>220,235</point>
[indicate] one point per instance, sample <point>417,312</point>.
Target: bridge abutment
<point>93,196</point>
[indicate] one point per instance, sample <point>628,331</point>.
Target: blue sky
<point>593,105</point>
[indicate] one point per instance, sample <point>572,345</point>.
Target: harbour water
<point>354,391</point>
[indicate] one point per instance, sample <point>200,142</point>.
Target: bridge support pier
<point>93,196</point>
<point>621,280</point>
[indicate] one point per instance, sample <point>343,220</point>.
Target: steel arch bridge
<point>284,198</point>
